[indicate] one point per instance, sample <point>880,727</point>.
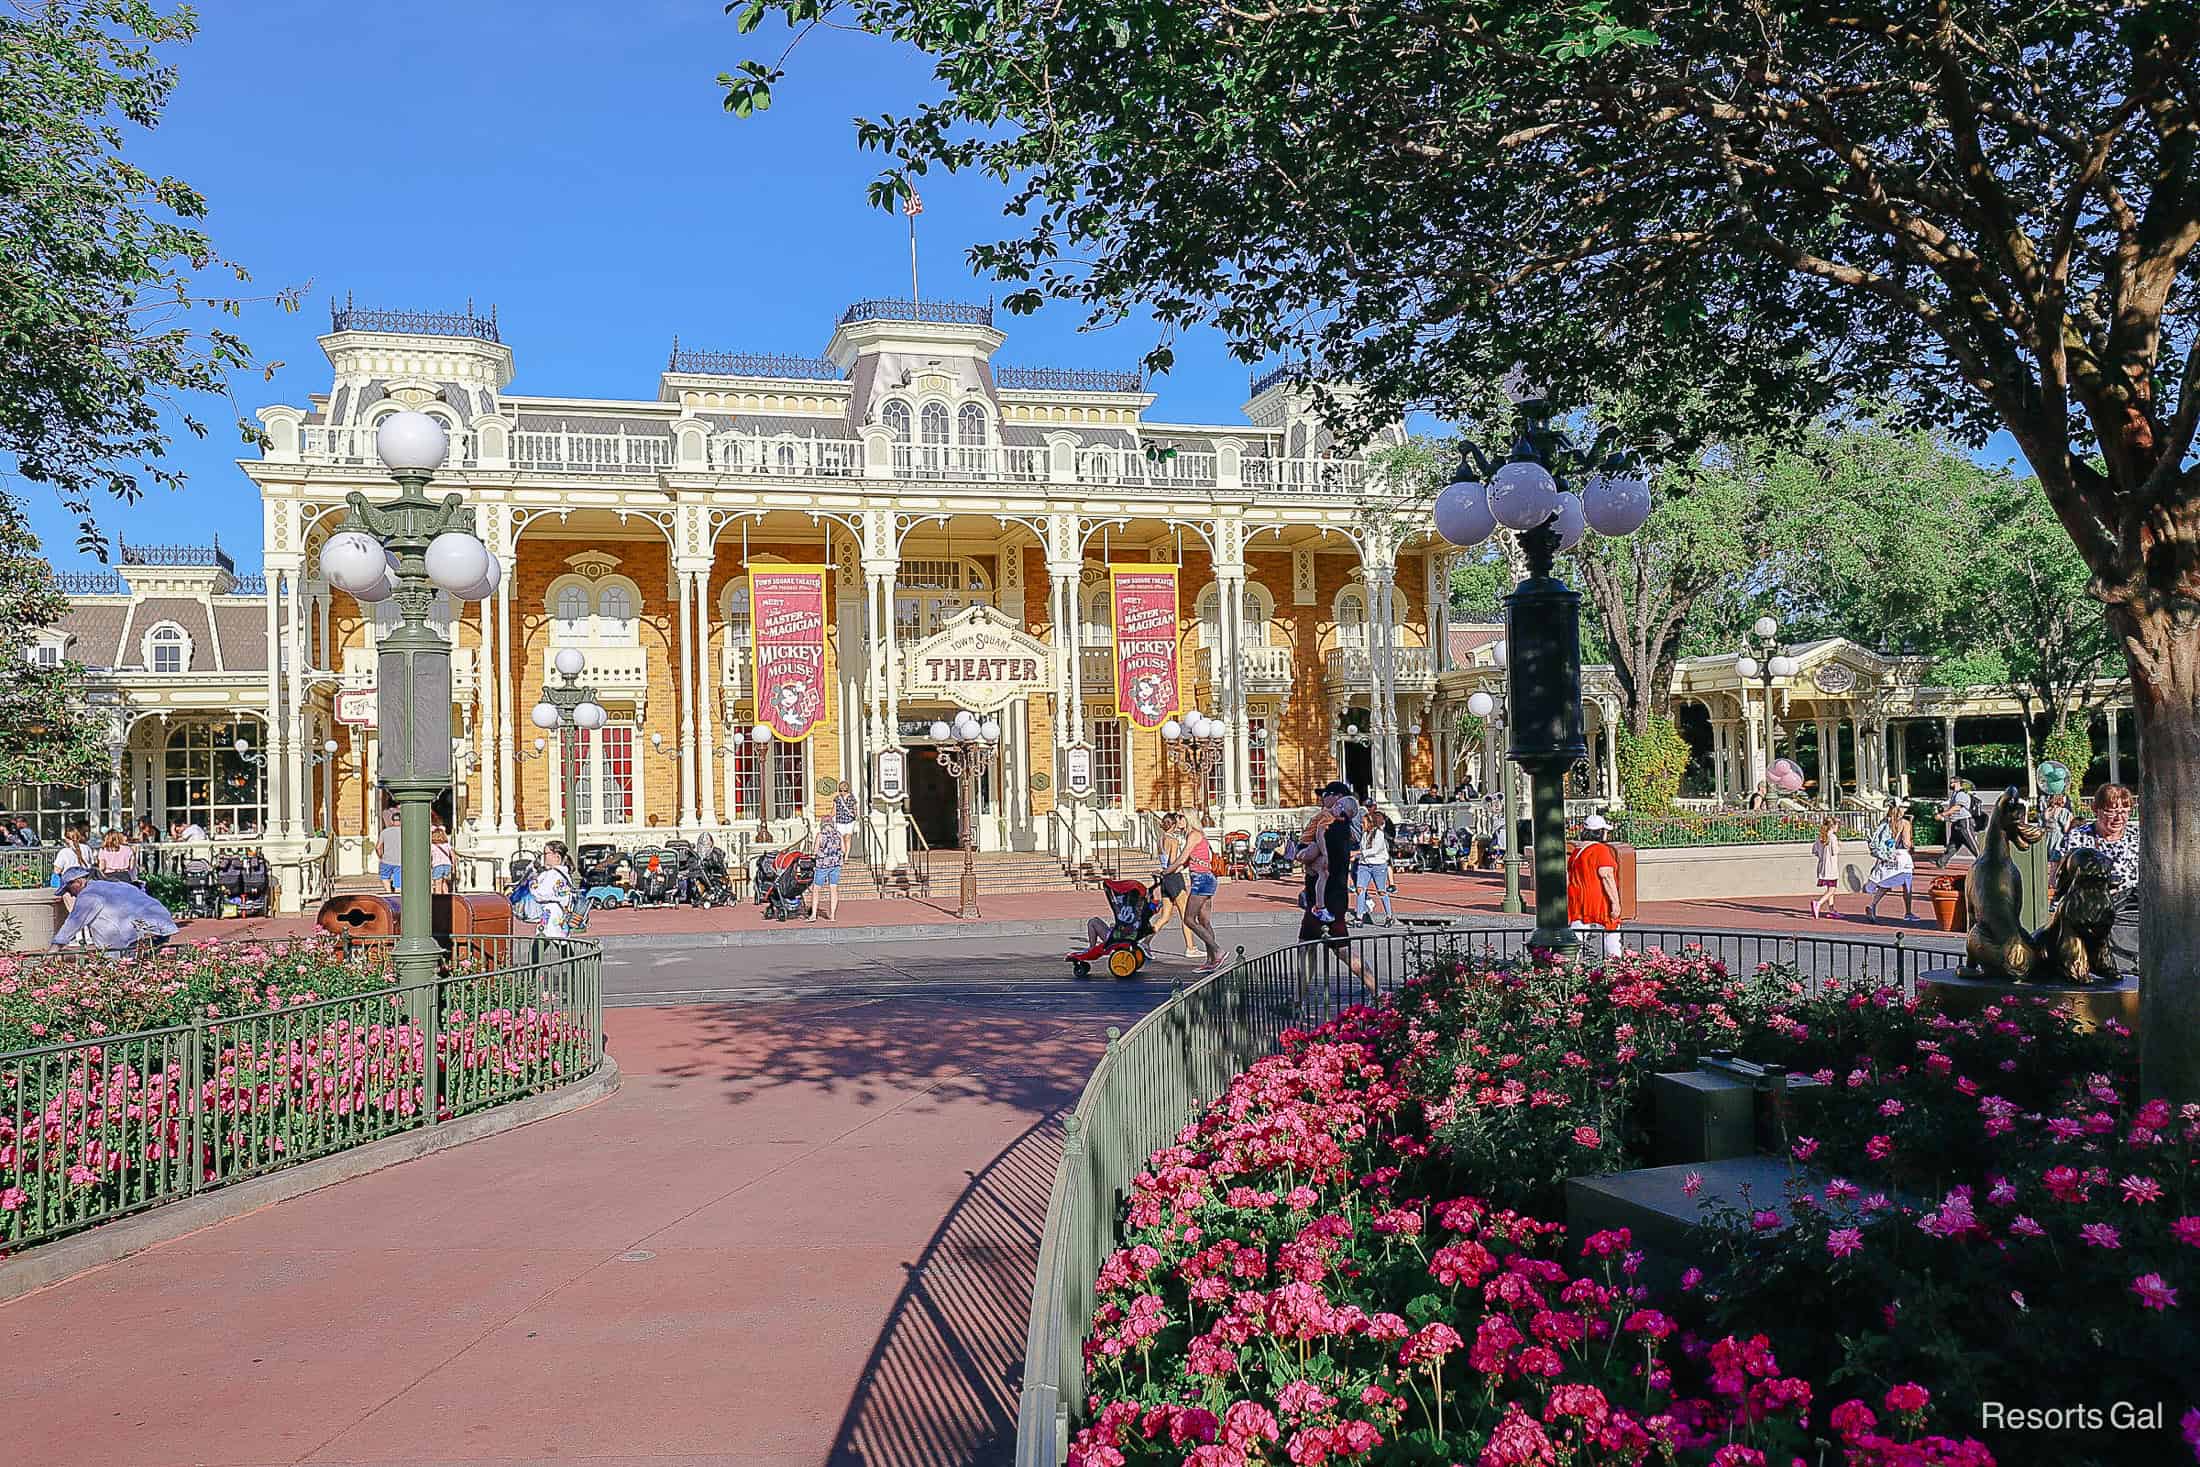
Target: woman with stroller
<point>830,849</point>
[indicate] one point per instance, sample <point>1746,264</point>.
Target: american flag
<point>913,205</point>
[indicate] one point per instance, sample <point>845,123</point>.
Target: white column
<point>706,683</point>
<point>2115,750</point>
<point>507,786</point>
<point>1611,755</point>
<point>1948,744</point>
<point>298,806</point>
<point>485,718</point>
<point>275,815</point>
<point>1382,711</point>
<point>1077,668</point>
<point>687,699</point>
<point>1901,780</point>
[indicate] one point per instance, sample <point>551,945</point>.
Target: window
<point>602,770</point>
<point>584,612</point>
<point>206,780</point>
<point>934,421</point>
<point>970,426</point>
<point>1107,759</point>
<point>928,592</point>
<point>616,604</point>
<point>1214,784</point>
<point>789,761</point>
<point>579,767</point>
<point>46,655</point>
<point>1351,621</point>
<point>1259,611</point>
<point>616,761</point>
<point>167,649</point>
<point>1099,630</point>
<point>50,808</point>
<point>786,458</point>
<point>896,418</point>
<point>746,767</point>
<point>737,614</point>
<point>1256,757</point>
<point>572,608</point>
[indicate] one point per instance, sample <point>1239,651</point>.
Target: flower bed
<point>149,1079</point>
<point>1354,1255</point>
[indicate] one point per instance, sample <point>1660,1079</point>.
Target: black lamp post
<point>1195,744</point>
<point>1530,494</point>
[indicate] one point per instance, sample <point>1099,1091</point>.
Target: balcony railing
<point>1303,475</point>
<point>1354,667</point>
<point>1067,379</point>
<point>91,583</point>
<point>750,364</point>
<point>174,555</point>
<point>948,313</point>
<point>1025,465</point>
<point>734,667</point>
<point>348,317</point>
<point>799,458</point>
<point>330,443</point>
<point>616,452</point>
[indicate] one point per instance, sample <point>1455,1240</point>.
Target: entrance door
<point>932,804</point>
<point>1359,768</point>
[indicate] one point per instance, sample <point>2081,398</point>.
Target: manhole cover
<point>637,1255</point>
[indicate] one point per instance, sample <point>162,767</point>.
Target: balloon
<point>2054,777</point>
<point>1787,776</point>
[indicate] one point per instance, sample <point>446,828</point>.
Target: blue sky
<point>570,163</point>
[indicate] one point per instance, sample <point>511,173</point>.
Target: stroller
<point>1267,847</point>
<point>782,881</point>
<point>1131,907</point>
<point>201,889</point>
<point>1237,853</point>
<point>656,877</point>
<point>706,883</point>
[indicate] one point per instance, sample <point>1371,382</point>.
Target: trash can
<point>374,914</point>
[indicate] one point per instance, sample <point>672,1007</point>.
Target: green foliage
<point>49,733</point>
<point>1651,764</point>
<point>2072,745</point>
<point>169,890</point>
<point>97,288</point>
<point>1649,832</point>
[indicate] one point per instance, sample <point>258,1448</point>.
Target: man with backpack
<point>1961,814</point>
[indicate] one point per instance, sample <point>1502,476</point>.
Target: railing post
<point>431,1058</point>
<point>190,1130</point>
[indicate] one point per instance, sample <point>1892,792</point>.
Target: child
<point>1827,850</point>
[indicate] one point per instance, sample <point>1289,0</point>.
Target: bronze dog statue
<point>2073,946</point>
<point>1998,947</point>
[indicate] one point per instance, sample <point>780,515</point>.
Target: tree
<point>96,281</point>
<point>1987,211</point>
<point>49,732</point>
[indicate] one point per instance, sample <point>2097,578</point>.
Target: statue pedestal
<point>1962,998</point>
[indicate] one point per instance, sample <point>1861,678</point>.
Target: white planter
<point>37,914</point>
<point>1698,873</point>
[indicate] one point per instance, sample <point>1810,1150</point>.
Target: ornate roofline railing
<point>946,313</point>
<point>91,583</point>
<point>252,585</point>
<point>750,364</point>
<point>1067,379</point>
<point>175,555</point>
<point>350,317</point>
<point>1259,382</point>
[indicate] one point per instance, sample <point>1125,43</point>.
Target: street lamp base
<point>1563,941</point>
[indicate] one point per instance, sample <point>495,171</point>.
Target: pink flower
<point>1879,1148</point>
<point>1587,1137</point>
<point>1852,1419</point>
<point>1841,1242</point>
<point>2186,1230</point>
<point>1304,1398</point>
<point>2153,1292</point>
<point>1248,1422</point>
<point>1805,1149</point>
<point>1907,1398</point>
<point>13,1198</point>
<point>1584,1401</point>
<point>1435,1340</point>
<point>2141,1190</point>
<point>2100,1235</point>
<point>1691,1279</point>
<point>1517,1442</point>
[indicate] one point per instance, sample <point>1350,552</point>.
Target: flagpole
<point>913,297</point>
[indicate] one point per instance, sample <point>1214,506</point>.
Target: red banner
<point>787,622</point>
<point>1148,676</point>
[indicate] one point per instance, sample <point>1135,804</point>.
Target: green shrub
<point>1651,764</point>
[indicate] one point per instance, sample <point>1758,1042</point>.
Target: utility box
<point>1702,1116</point>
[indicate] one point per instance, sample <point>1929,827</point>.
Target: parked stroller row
<point>678,873</point>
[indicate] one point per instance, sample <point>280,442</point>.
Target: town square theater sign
<point>980,660</point>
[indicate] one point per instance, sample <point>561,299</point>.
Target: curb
<point>46,1264</point>
<point>804,934</point>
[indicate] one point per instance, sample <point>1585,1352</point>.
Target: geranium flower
<point>1879,1148</point>
<point>1518,1441</point>
<point>2186,1230</point>
<point>1908,1398</point>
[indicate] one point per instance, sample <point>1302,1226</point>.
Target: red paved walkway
<point>795,1236</point>
<point>1454,896</point>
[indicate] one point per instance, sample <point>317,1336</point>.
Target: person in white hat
<point>1592,885</point>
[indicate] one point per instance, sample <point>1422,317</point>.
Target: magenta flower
<point>2153,1292</point>
<point>1907,1397</point>
<point>1692,1184</point>
<point>1805,1149</point>
<point>1841,1242</point>
<point>2186,1230</point>
<point>2099,1235</point>
<point>2141,1190</point>
<point>1879,1148</point>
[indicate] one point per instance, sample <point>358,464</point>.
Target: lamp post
<point>569,707</point>
<point>1484,705</point>
<point>1195,745</point>
<point>1529,494</point>
<point>1764,658</point>
<point>966,748</point>
<point>761,737</point>
<point>409,549</point>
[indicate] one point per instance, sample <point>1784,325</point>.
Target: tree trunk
<point>2165,685</point>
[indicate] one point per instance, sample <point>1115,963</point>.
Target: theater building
<point>963,517</point>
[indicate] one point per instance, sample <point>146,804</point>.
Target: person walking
<point>112,916</point>
<point>1200,886</point>
<point>1894,864</point>
<point>389,848</point>
<point>1372,876</point>
<point>552,890</point>
<point>2113,833</point>
<point>1168,881</point>
<point>1826,853</point>
<point>1961,816</point>
<point>829,848</point>
<point>442,860</point>
<point>1592,886</point>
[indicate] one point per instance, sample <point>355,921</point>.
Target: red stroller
<point>1123,949</point>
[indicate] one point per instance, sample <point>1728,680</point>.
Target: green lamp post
<point>1529,494</point>
<point>407,550</point>
<point>568,708</point>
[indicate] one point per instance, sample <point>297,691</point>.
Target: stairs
<point>999,872</point>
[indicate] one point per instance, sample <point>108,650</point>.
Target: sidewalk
<point>797,1235</point>
<point>1240,906</point>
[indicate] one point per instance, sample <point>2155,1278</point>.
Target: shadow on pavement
<point>939,1389</point>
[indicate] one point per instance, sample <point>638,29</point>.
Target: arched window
<point>167,649</point>
<point>572,608</point>
<point>1260,610</point>
<point>616,604</point>
<point>1351,620</point>
<point>786,458</point>
<point>933,422</point>
<point>1099,628</point>
<point>970,426</point>
<point>737,614</point>
<point>896,418</point>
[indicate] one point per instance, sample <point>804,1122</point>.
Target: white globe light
<point>1766,627</point>
<point>939,732</point>
<point>1352,730</point>
<point>1193,718</point>
<point>761,734</point>
<point>457,562</point>
<point>352,562</point>
<point>539,746</point>
<point>1745,667</point>
<point>1500,652</point>
<point>1617,505</point>
<point>328,746</point>
<point>1572,525</point>
<point>1463,513</point>
<point>411,441</point>
<point>383,587</point>
<point>590,715</point>
<point>241,745</point>
<point>545,715</point>
<point>992,731</point>
<point>1481,705</point>
<point>1785,667</point>
<point>570,662</point>
<point>1523,495</point>
<point>1172,730</point>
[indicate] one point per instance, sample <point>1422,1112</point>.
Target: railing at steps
<point>1157,1077</point>
<point>96,1129</point>
<point>920,861</point>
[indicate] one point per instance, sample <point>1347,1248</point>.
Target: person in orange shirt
<point>1592,886</point>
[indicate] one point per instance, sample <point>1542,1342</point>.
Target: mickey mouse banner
<point>787,618</point>
<point>1148,675</point>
